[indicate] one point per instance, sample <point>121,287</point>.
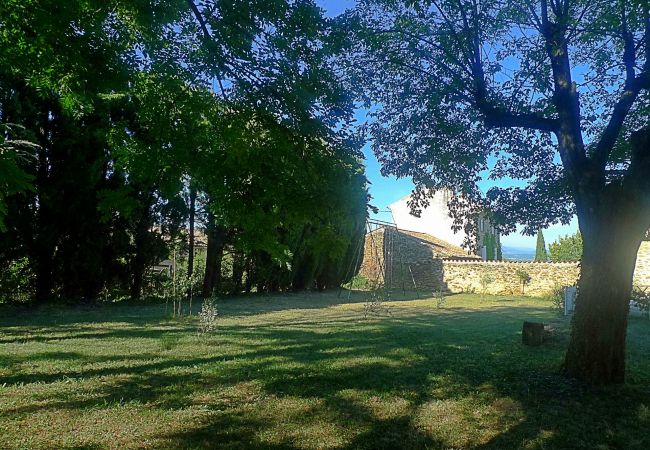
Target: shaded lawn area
<point>307,371</point>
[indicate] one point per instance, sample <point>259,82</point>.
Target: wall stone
<point>462,276</point>
<point>372,265</point>
<point>423,275</point>
<point>642,271</point>
<point>401,262</point>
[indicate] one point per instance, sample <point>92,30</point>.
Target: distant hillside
<point>518,253</point>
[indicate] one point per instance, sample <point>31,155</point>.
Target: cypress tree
<point>540,251</point>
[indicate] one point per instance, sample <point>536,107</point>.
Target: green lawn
<point>307,371</point>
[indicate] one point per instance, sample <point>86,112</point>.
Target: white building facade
<point>436,221</point>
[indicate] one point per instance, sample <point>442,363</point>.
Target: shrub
<point>641,299</point>
<point>359,282</point>
<point>180,288</point>
<point>468,289</point>
<point>16,282</point>
<point>486,281</point>
<point>375,304</point>
<point>524,279</point>
<point>208,316</point>
<point>567,248</point>
<point>441,299</point>
<point>556,297</point>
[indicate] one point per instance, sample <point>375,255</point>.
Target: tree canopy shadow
<point>443,356</point>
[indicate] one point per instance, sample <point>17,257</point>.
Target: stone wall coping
<point>512,263</point>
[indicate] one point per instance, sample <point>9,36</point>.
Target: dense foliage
<point>566,248</point>
<point>126,123</point>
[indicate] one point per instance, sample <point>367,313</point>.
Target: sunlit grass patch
<point>308,371</point>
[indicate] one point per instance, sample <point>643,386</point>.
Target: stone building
<point>401,259</point>
<point>435,220</point>
<point>407,259</point>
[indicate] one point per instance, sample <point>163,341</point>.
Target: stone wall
<point>373,257</point>
<point>396,260</point>
<point>401,262</point>
<point>642,272</point>
<point>424,275</point>
<point>461,276</point>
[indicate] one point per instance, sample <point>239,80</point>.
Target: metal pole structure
<point>354,261</point>
<point>379,262</point>
<point>417,291</point>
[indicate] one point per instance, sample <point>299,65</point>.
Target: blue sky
<point>386,190</point>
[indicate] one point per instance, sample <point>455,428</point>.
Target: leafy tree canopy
<point>553,93</point>
<point>467,87</point>
<point>566,248</point>
<point>134,104</point>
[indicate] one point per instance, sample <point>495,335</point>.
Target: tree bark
<point>216,243</point>
<point>596,352</point>
<point>139,262</point>
<point>43,245</point>
<point>237,271</point>
<point>250,268</point>
<point>613,223</point>
<point>190,256</point>
<point>44,281</point>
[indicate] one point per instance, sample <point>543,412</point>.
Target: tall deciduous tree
<point>129,99</point>
<point>553,92</point>
<point>16,152</point>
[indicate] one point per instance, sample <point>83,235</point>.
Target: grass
<point>306,371</point>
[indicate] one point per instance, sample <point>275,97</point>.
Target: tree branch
<point>438,47</point>
<point>646,37</point>
<point>545,23</point>
<point>631,88</point>
<point>199,18</point>
<point>536,20</point>
<point>629,56</point>
<point>495,117</point>
<point>450,26</point>
<point>621,109</point>
<point>637,173</point>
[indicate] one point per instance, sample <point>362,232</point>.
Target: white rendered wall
<point>434,219</point>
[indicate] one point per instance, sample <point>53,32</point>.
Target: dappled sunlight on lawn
<point>299,376</point>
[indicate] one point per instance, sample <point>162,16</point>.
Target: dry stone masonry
<point>503,276</point>
<point>404,260</point>
<point>642,271</point>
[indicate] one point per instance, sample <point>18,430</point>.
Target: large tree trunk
<point>138,268</point>
<point>613,222</point>
<point>596,351</point>
<point>139,261</point>
<point>44,281</point>
<point>237,271</point>
<point>190,256</point>
<point>44,244</point>
<point>216,243</point>
<point>250,269</point>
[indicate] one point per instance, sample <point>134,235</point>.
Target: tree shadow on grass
<point>243,305</point>
<point>449,357</point>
